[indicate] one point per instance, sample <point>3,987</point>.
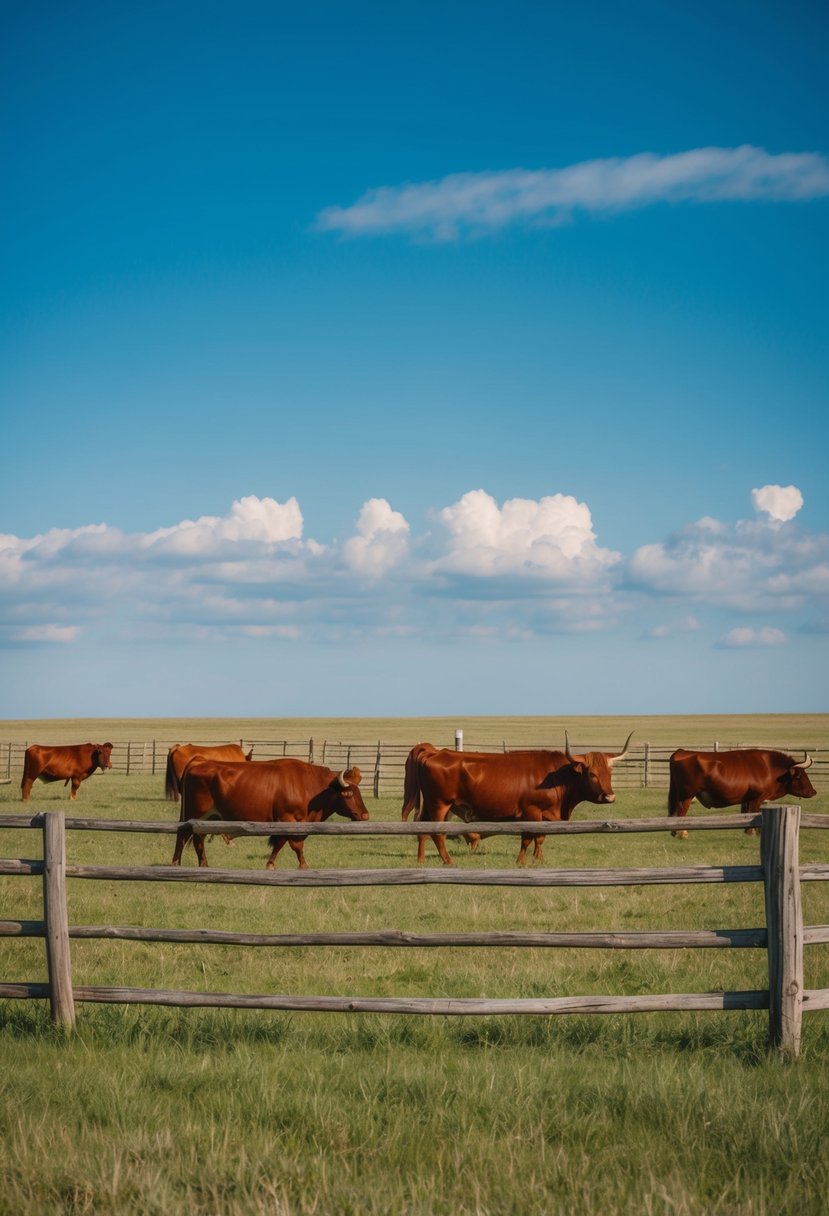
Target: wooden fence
<point>783,936</point>
<point>382,763</point>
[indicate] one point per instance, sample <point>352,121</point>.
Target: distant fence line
<point>783,936</point>
<point>382,763</point>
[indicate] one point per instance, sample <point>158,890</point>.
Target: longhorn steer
<point>747,777</point>
<point>523,785</point>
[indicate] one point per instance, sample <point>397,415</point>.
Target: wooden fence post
<point>56,918</point>
<point>779,849</point>
<point>377,772</point>
<point>646,766</point>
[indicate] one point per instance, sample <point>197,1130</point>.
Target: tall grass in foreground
<point>146,1110</point>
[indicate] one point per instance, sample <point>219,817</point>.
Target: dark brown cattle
<point>69,762</point>
<point>180,755</point>
<point>522,785</point>
<point>279,791</point>
<point>746,778</point>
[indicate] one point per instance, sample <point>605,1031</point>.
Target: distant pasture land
<point>195,1111</point>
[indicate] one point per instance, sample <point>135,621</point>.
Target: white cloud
<point>548,539</point>
<point>745,636</point>
<point>778,502</point>
<point>512,570</point>
<point>61,635</point>
<point>382,540</point>
<point>262,520</point>
<point>487,201</point>
<point>749,565</point>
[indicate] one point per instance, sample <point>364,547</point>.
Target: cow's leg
<point>473,839</point>
<point>201,851</point>
<point>536,841</point>
<point>680,809</point>
<point>439,841</point>
<point>73,793</point>
<point>277,842</point>
<point>26,788</point>
<point>751,806</point>
<point>184,833</point>
<point>298,846</point>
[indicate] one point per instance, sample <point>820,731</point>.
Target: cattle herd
<point>530,786</point>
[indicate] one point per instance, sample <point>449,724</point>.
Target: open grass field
<point>157,1110</point>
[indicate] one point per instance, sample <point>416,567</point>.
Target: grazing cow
<point>747,777</point>
<point>180,755</point>
<point>69,762</point>
<point>522,785</point>
<point>279,791</point>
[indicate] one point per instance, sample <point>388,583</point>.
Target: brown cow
<point>180,755</point>
<point>521,785</point>
<point>288,791</point>
<point>747,777</point>
<point>68,762</point>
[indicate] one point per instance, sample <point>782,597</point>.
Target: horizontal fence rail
<point>383,763</point>
<point>783,936</point>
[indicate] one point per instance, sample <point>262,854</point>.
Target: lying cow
<point>747,778</point>
<point>531,785</point>
<point>286,791</point>
<point>69,762</point>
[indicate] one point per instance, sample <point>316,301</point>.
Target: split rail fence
<point>382,763</point>
<point>783,936</point>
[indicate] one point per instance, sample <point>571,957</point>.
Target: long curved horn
<point>342,780</point>
<point>807,761</point>
<point>612,759</point>
<point>567,751</point>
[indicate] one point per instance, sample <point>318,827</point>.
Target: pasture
<point>205,1111</point>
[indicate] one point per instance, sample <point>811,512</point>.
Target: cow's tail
<point>171,784</point>
<point>411,787</point>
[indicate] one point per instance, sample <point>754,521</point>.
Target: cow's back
<point>491,784</point>
<point>258,792</point>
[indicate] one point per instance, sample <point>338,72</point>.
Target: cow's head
<point>795,782</point>
<point>346,797</point>
<point>101,755</point>
<point>593,772</point>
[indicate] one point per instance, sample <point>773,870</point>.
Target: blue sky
<point>413,359</point>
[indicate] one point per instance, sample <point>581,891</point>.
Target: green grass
<point>151,1110</point>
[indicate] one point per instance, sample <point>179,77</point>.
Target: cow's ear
<point>578,767</point>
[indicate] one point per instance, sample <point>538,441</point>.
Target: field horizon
<point>695,730</point>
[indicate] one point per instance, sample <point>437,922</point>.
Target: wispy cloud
<point>477,203</point>
<point>746,636</point>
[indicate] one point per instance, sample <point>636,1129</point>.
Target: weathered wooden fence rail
<point>783,936</point>
<point>382,763</point>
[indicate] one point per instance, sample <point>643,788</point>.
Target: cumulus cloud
<point>260,520</point>
<point>513,570</point>
<point>485,202</point>
<point>778,502</point>
<point>753,565</point>
<point>381,541</point>
<point>551,539</point>
<point>746,636</point>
